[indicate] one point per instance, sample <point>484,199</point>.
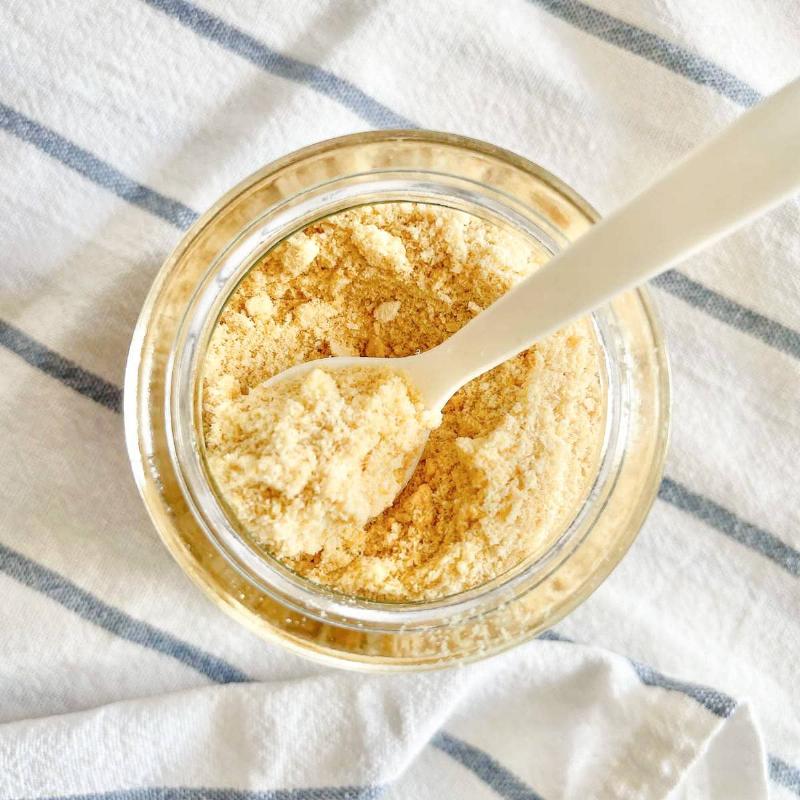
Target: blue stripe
<point>110,619</point>
<point>60,368</point>
<point>490,771</point>
<point>654,48</point>
<point>727,522</point>
<point>718,703</point>
<point>731,313</point>
<point>202,793</point>
<point>784,774</point>
<point>93,168</point>
<point>320,80</point>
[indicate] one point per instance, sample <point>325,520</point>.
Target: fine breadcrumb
<point>517,447</point>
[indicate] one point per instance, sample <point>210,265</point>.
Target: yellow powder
<point>305,463</point>
<point>517,448</point>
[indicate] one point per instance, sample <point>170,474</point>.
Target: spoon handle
<point>753,165</point>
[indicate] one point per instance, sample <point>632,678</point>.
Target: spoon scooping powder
<point>304,461</point>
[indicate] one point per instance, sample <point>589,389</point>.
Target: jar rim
<point>181,384</point>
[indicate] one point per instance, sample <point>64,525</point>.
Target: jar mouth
<point>352,638</point>
<point>183,401</point>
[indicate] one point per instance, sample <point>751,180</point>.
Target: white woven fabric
<point>118,123</point>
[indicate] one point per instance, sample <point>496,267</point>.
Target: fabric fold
<point>562,719</point>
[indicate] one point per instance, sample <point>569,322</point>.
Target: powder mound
<point>517,448</point>
<point>305,463</point>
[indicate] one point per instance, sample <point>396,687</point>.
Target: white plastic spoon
<point>749,168</point>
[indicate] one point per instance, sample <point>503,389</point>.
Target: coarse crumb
<point>517,447</point>
<point>387,311</point>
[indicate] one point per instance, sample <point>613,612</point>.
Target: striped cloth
<point>119,123</point>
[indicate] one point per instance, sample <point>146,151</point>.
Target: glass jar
<point>163,402</point>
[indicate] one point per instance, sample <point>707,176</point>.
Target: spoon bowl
<point>414,368</point>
